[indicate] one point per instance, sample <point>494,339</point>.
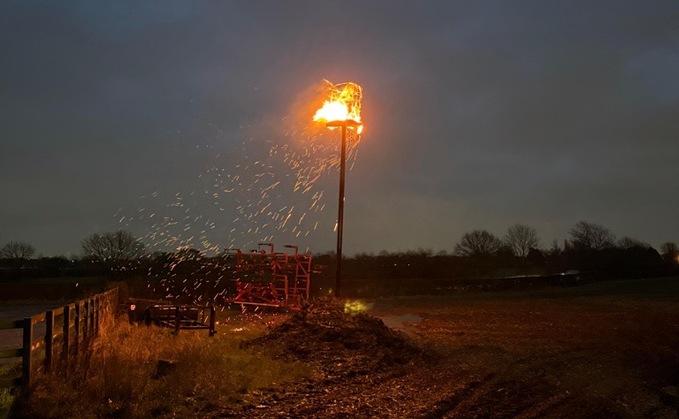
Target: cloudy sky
<point>172,118</point>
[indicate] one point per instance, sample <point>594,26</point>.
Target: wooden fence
<point>68,331</point>
<point>182,317</point>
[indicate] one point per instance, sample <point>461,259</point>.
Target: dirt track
<point>514,355</point>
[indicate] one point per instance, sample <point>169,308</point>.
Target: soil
<point>509,355</point>
<point>339,344</point>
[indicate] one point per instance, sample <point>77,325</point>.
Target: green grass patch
<point>8,371</point>
<point>6,401</point>
<point>122,378</point>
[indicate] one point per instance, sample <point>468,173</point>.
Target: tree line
<point>591,249</point>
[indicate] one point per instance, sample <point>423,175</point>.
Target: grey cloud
<point>488,113</point>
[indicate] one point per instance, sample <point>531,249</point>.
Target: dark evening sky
<point>174,119</point>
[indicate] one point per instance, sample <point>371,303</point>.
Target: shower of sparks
<point>273,191</point>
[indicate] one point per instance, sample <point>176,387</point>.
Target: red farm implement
<point>273,279</point>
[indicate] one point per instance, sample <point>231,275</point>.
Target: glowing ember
<point>344,103</point>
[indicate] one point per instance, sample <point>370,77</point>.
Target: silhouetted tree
<point>17,250</point>
<point>187,253</point>
<point>521,239</point>
<point>478,243</point>
<point>590,236</point>
<point>631,243</point>
<point>113,247</point>
<point>535,257</point>
<point>670,252</point>
<point>554,249</point>
<point>554,257</point>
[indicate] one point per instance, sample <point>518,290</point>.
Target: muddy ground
<point>603,350</point>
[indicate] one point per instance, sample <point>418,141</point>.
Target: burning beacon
<point>342,109</point>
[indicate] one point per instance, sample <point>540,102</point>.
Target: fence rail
<point>182,317</point>
<point>68,331</point>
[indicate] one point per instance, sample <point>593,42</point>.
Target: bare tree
<point>586,235</point>
<point>670,252</point>
<point>17,250</point>
<point>630,243</point>
<point>478,243</point>
<point>187,253</point>
<point>113,247</point>
<point>521,239</point>
<point>554,249</point>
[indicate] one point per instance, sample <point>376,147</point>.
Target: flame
<point>343,104</point>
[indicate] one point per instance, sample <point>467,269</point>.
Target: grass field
<point>139,371</point>
<point>608,349</point>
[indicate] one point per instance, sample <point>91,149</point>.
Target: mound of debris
<point>340,343</point>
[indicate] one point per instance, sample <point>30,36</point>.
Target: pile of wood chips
<point>341,344</point>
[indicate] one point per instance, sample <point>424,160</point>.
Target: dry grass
<point>6,400</point>
<point>120,378</point>
<point>8,371</point>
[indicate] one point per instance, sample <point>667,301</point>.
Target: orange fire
<point>343,104</point>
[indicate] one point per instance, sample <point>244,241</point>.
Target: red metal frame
<point>272,279</point>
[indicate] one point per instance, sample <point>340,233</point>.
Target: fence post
<point>101,306</point>
<point>93,314</point>
<point>177,320</point>
<point>95,307</point>
<point>86,316</point>
<point>212,321</point>
<point>27,352</point>
<point>97,315</point>
<point>49,339</point>
<point>65,341</point>
<point>76,329</point>
<point>93,317</point>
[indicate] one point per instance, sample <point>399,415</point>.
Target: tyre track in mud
<point>439,391</point>
<point>453,401</point>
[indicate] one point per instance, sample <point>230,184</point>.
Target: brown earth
<point>585,352</point>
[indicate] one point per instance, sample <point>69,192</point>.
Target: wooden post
<point>86,319</point>
<point>27,352</point>
<point>49,339</point>
<point>76,328</point>
<point>97,315</point>
<point>93,316</point>
<point>177,320</point>
<point>101,312</point>
<point>95,308</point>
<point>212,321</point>
<point>65,341</point>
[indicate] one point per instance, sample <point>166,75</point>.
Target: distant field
<point>50,289</point>
<point>608,349</point>
<point>653,288</point>
<point>25,298</point>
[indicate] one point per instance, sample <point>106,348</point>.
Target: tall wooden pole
<point>340,213</point>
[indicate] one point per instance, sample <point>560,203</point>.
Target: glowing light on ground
<point>356,307</point>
